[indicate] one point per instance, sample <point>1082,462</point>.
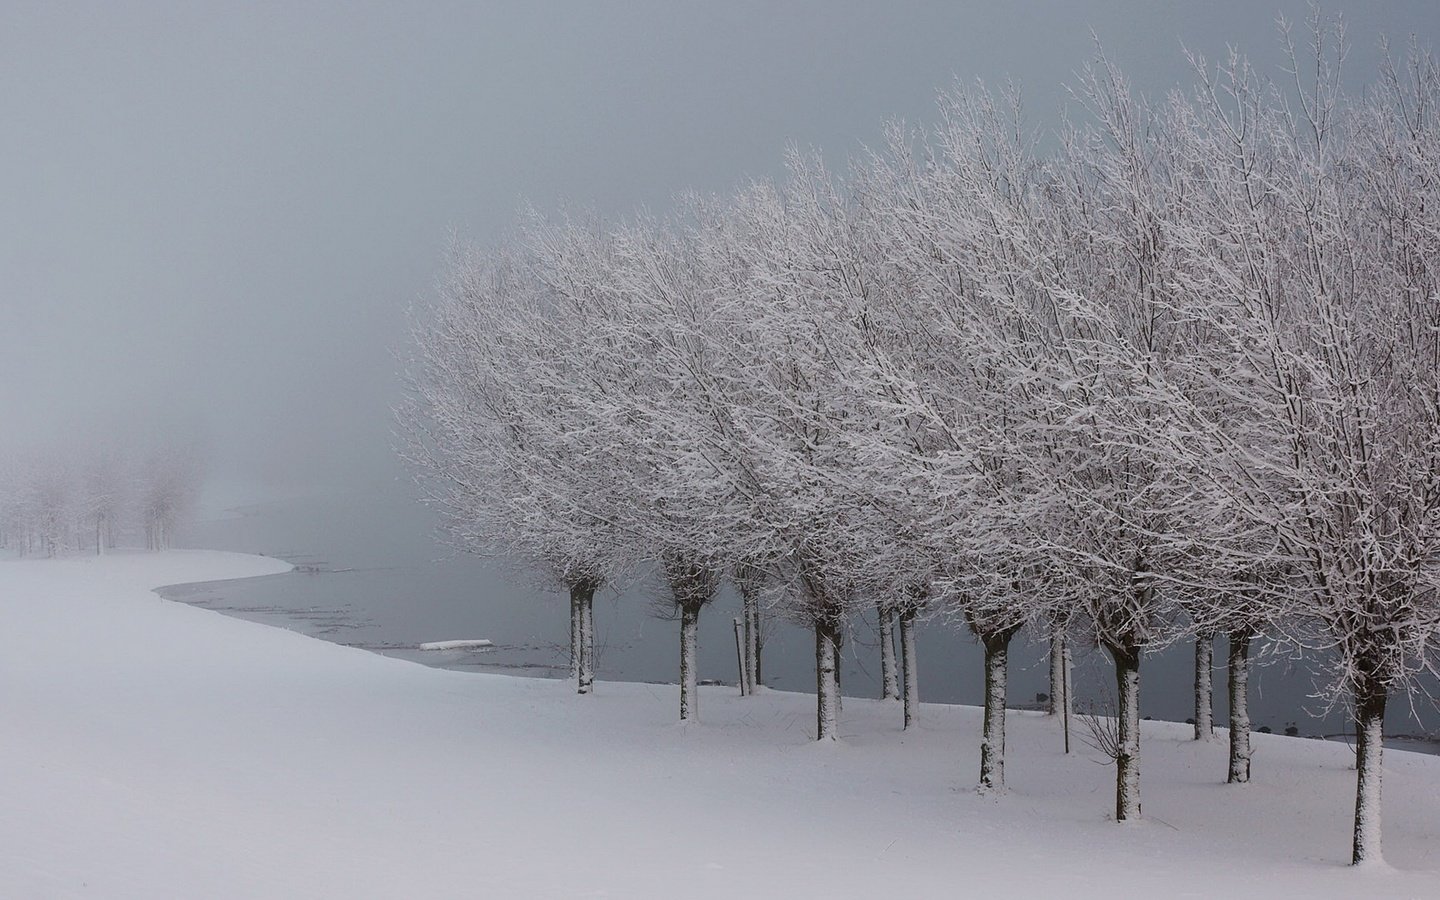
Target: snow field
<point>153,749</point>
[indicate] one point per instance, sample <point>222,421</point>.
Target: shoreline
<point>331,626</point>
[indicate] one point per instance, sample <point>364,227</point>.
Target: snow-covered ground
<point>150,749</point>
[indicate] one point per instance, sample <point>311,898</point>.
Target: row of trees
<point>1171,371</point>
<point>90,495</point>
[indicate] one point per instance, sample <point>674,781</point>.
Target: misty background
<point>219,215</point>
<point>220,212</point>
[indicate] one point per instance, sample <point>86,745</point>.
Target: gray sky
<point>220,212</point>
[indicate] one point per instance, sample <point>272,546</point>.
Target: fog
<point>220,214</point>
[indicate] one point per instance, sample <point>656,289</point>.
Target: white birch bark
<point>1369,732</point>
<point>1204,686</point>
<point>1059,684</point>
<point>1127,761</point>
<point>826,689</point>
<point>992,746</point>
<point>889,683</point>
<point>1239,673</point>
<point>585,681</point>
<point>909,667</point>
<point>689,662</point>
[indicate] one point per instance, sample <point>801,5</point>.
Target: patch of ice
<point>455,645</point>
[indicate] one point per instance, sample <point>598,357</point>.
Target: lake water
<point>371,574</point>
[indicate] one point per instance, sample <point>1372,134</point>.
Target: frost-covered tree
<point>922,262</point>
<point>1177,377</point>
<point>655,426</point>
<point>1316,261</point>
<point>1111,502</point>
<point>784,411</point>
<point>936,343</point>
<point>499,425</point>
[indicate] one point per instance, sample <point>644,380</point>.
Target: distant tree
<point>103,491</point>
<point>168,486</point>
<point>53,499</point>
<point>17,513</point>
<point>1060,700</point>
<point>751,581</point>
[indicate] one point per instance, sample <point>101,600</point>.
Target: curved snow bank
<point>127,571</point>
<point>209,565</point>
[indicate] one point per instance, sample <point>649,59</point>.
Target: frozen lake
<point>371,574</point>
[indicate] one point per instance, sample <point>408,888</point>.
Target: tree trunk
<point>575,638</point>
<point>1059,684</point>
<point>585,671</point>
<point>587,633</point>
<point>889,684</point>
<point>751,616</point>
<point>992,746</point>
<point>689,662</point>
<point>1239,673</point>
<point>749,581</point>
<point>1127,757</point>
<point>910,675</point>
<point>1066,682</point>
<point>1204,686</point>
<point>1370,696</point>
<point>826,689</point>
<point>759,656</point>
